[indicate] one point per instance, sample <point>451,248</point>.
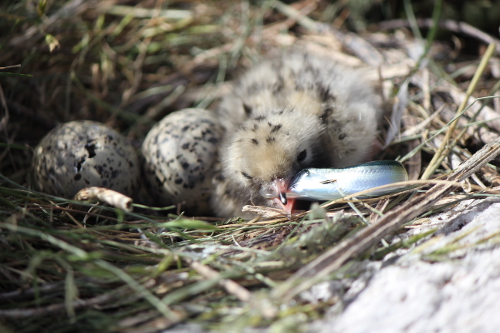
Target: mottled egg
<point>85,153</point>
<point>180,152</point>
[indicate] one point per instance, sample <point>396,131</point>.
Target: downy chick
<point>296,111</point>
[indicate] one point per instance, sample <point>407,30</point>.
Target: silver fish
<point>330,184</point>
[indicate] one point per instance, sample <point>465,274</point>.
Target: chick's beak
<point>280,185</point>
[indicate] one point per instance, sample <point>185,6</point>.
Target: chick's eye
<point>246,175</point>
<point>302,156</point>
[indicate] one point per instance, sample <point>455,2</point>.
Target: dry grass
<point>70,266</point>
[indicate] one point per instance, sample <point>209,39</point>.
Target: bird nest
<point>72,265</point>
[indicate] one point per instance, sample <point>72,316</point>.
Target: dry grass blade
<point>56,308</point>
<point>446,145</point>
<point>9,67</point>
<point>231,287</point>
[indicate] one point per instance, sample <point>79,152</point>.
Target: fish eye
<point>302,156</point>
<point>246,175</point>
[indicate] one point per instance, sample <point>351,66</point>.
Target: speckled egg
<point>179,157</point>
<point>80,154</point>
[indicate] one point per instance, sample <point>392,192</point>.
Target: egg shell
<point>85,153</point>
<point>179,153</point>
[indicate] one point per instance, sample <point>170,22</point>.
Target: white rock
<point>416,295</point>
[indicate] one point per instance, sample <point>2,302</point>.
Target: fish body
<point>331,184</point>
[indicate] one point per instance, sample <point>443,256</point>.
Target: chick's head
<point>268,150</point>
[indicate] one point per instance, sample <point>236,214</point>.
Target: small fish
<point>331,184</point>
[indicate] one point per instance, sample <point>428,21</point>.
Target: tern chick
<point>293,112</point>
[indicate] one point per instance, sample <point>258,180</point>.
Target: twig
<point>113,198</point>
<point>8,67</point>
